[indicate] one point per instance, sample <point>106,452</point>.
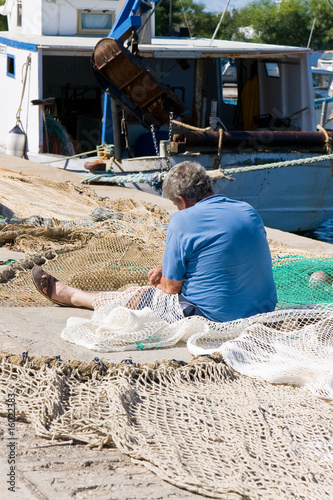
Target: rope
<point>219,23</point>
<point>217,161</point>
<point>289,163</point>
<point>190,127</point>
<point>104,151</point>
<point>328,139</point>
<point>64,158</point>
<point>151,178</point>
<point>148,18</point>
<point>123,126</point>
<point>328,144</point>
<point>26,65</point>
<point>116,179</point>
<point>185,18</point>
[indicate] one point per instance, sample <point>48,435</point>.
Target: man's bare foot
<point>59,292</point>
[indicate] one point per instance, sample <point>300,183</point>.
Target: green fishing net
<point>301,280</point>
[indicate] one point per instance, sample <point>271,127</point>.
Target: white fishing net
<point>136,319</point>
<point>288,346</point>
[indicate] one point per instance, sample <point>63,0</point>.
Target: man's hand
<point>155,275</point>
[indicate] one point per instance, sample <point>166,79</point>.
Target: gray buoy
<point>16,142</point>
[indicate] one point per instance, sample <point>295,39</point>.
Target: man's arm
<point>170,286</point>
<point>167,286</point>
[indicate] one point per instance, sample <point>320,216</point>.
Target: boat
<point>323,90</point>
<point>164,100</point>
<point>48,90</point>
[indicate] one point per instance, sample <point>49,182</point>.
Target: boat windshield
<point>321,81</point>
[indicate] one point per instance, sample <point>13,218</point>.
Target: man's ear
<point>181,203</point>
<point>186,203</point>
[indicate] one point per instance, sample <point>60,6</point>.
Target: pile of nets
<point>106,261</point>
<point>112,256</point>
<point>113,244</point>
<point>201,425</point>
<point>24,195</point>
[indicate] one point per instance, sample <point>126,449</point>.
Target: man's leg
<point>68,295</point>
<point>188,308</point>
<point>63,294</point>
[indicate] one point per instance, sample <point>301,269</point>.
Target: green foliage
<point>3,19</point>
<point>323,30</point>
<point>286,23</point>
<point>185,13</point>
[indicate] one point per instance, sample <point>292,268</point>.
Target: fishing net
<point>303,280</point>
<point>113,243</point>
<point>114,255</point>
<point>201,426</point>
<point>213,426</point>
<point>292,345</point>
<point>23,196</point>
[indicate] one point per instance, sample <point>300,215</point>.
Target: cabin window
<point>229,81</point>
<point>272,69</point>
<point>10,66</point>
<point>95,21</point>
<point>19,14</point>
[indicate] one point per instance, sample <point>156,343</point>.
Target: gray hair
<point>188,179</point>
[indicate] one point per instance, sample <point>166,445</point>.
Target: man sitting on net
<point>216,256</point>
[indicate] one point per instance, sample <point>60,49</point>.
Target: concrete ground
<point>61,471</point>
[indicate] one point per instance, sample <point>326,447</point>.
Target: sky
<point>219,5</point>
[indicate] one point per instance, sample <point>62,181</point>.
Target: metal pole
<point>311,32</point>
<point>323,114</point>
<point>170,17</point>
<point>220,22</point>
<point>117,136</point>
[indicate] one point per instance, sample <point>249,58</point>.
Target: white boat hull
<point>294,198</point>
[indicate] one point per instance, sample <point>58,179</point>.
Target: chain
<point>152,129</point>
<point>169,140</point>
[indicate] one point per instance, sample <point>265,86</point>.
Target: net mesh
<point>291,345</point>
<point>201,426</point>
<point>136,319</point>
<point>24,196</point>
<point>113,244</point>
<point>303,280</point>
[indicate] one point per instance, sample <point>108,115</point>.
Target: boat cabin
<point>271,87</point>
<point>46,76</point>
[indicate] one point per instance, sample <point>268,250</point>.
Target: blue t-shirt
<point>219,248</point>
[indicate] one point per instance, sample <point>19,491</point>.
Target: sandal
<point>37,273</point>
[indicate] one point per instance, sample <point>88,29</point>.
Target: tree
<point>322,38</point>
<point>3,19</point>
<point>185,13</point>
<point>286,23</point>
